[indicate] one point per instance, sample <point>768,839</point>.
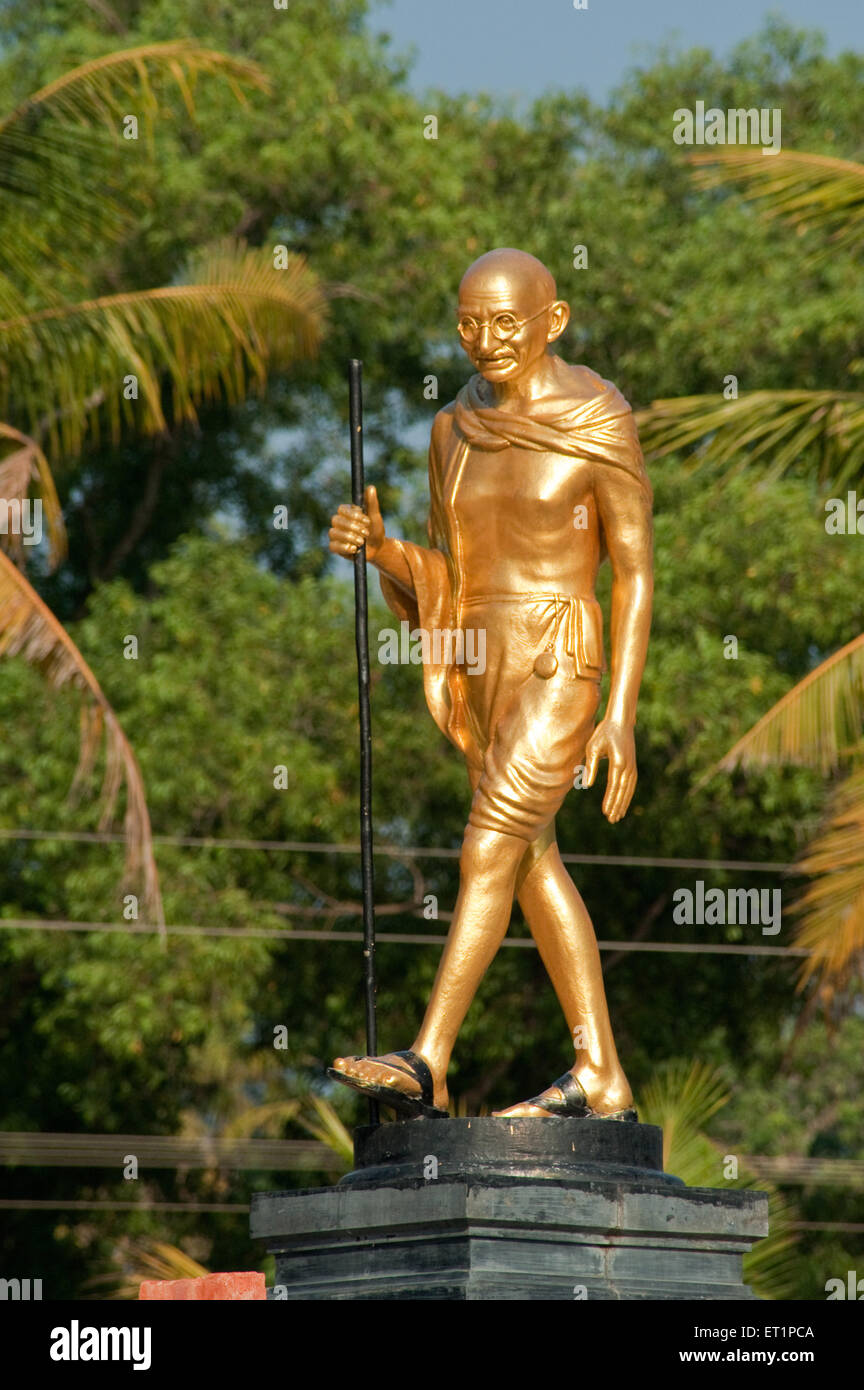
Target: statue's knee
<point>488,853</point>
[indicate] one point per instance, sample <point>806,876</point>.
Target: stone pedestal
<point>509,1209</point>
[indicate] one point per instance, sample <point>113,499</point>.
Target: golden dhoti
<point>530,732</point>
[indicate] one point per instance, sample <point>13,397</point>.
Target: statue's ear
<point>559,318</point>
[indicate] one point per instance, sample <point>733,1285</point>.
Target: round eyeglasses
<point>501,326</point>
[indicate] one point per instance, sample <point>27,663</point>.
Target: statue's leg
<point>527,770</point>
<point>537,747</point>
<point>487,870</point>
<point>560,925</point>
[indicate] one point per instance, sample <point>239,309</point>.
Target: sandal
<point>412,1107</point>
<point>574,1103</point>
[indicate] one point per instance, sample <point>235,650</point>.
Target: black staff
<point>361,633</point>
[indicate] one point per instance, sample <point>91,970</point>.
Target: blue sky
<point>523,47</point>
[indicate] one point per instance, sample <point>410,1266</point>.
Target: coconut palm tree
<point>819,722</point>
<point>73,363</point>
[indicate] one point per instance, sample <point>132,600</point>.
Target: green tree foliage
<point>69,358</point>
<point>245,648</point>
<point>239,674</point>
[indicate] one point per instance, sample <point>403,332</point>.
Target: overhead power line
<point>38,1150</point>
<point>395,851</point>
<point>28,1204</point>
<point>165,1151</point>
<point>853,1227</point>
<point>394,938</point>
<point>782,1168</point>
<point>404,853</point>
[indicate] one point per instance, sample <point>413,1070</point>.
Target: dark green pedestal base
<point>497,1209</point>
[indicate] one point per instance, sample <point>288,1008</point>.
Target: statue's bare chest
<point>517,491</point>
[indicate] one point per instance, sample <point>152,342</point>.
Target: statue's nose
<point>485,340</point>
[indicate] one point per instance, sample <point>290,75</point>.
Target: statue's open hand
<point>351,526</point>
<point>615,742</point>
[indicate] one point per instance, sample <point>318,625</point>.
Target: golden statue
<point>535,475</point>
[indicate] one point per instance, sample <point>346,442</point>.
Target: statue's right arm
<point>351,526</point>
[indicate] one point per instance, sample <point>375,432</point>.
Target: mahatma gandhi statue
<point>535,477</point>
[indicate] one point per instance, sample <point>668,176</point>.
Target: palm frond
<point>216,333</point>
<point>268,1118</point>
<point>324,1124</point>
<point>101,91</point>
<point>772,1267</point>
<point>29,629</point>
<point>108,14</point>
<point>817,193</point>
<point>832,907</point>
<point>37,270</point>
<point>18,471</point>
<point>145,1258</point>
<point>57,149</point>
<point>681,1097</point>
<point>775,428</point>
<point>816,724</point>
<point>62,169</point>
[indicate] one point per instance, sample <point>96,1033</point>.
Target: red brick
<point>235,1287</point>
<point>153,1289</point>
<point>238,1287</point>
<point>172,1289</point>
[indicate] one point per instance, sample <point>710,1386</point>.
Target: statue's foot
<point>402,1080</point>
<point>566,1098</point>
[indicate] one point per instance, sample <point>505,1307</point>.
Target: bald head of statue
<point>509,314</point>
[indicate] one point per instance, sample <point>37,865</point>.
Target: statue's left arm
<point>624,508</point>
